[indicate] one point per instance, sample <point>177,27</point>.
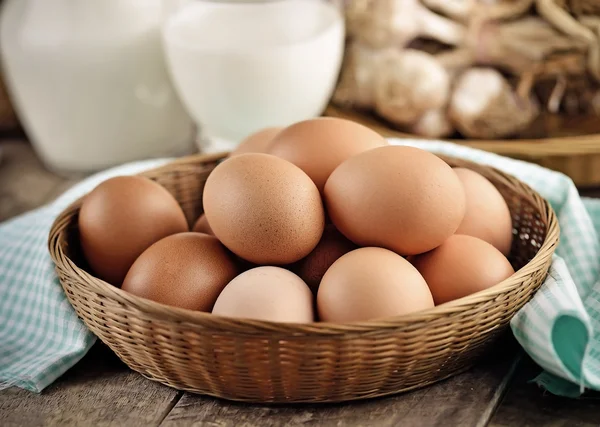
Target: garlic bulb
<point>355,85</point>
<point>409,83</point>
<point>484,105</point>
<point>433,124</point>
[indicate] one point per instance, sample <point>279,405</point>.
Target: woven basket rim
<point>315,328</point>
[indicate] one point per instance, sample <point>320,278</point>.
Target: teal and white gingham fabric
<point>41,336</point>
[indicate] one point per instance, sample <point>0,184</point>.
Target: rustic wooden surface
<point>100,390</point>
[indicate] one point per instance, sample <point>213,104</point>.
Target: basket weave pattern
<point>260,361</point>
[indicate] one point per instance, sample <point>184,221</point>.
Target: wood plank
<point>24,182</point>
<point>99,390</point>
<point>468,399</point>
<point>526,405</point>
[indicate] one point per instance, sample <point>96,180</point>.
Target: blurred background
<point>86,85</point>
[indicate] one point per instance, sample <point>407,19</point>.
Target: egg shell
<point>371,283</point>
<point>321,144</point>
<point>487,216</point>
<point>267,293</point>
<point>257,142</point>
<point>202,226</point>
<point>264,209</point>
<point>332,246</point>
<point>121,218</point>
<point>186,270</point>
<point>461,266</point>
<point>400,198</point>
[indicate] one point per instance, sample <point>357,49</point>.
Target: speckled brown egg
<point>121,218</point>
<point>371,283</point>
<point>267,293</point>
<point>332,246</point>
<point>202,226</point>
<point>186,270</point>
<point>461,266</point>
<point>400,198</point>
<point>264,209</point>
<point>258,142</point>
<point>321,144</point>
<point>487,216</point>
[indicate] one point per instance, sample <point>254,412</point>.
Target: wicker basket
<point>321,362</point>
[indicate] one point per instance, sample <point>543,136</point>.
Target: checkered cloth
<point>41,336</point>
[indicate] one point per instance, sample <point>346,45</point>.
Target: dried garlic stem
<point>567,93</point>
<point>408,84</point>
<point>573,64</point>
<point>456,9</point>
<point>484,105</point>
<point>518,44</point>
<point>505,9</point>
<point>464,10</point>
<point>593,23</point>
<point>355,86</point>
<point>557,95</point>
<point>562,20</point>
<point>584,7</point>
<point>381,23</point>
<point>433,124</point>
<point>455,61</point>
<point>435,26</point>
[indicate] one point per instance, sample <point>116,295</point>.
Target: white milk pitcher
<point>242,66</point>
<point>89,82</point>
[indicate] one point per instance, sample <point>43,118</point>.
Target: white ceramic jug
<point>89,82</point>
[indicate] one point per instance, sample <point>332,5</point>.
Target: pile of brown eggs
<point>322,220</point>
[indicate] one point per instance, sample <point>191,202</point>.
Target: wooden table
<point>100,390</point>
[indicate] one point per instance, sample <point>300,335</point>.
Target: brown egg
<point>258,142</point>
<point>487,216</point>
<point>371,283</point>
<point>267,293</point>
<point>320,145</point>
<point>186,270</point>
<point>400,198</point>
<point>121,218</point>
<point>461,266</point>
<point>264,209</point>
<point>332,245</point>
<point>202,226</point>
